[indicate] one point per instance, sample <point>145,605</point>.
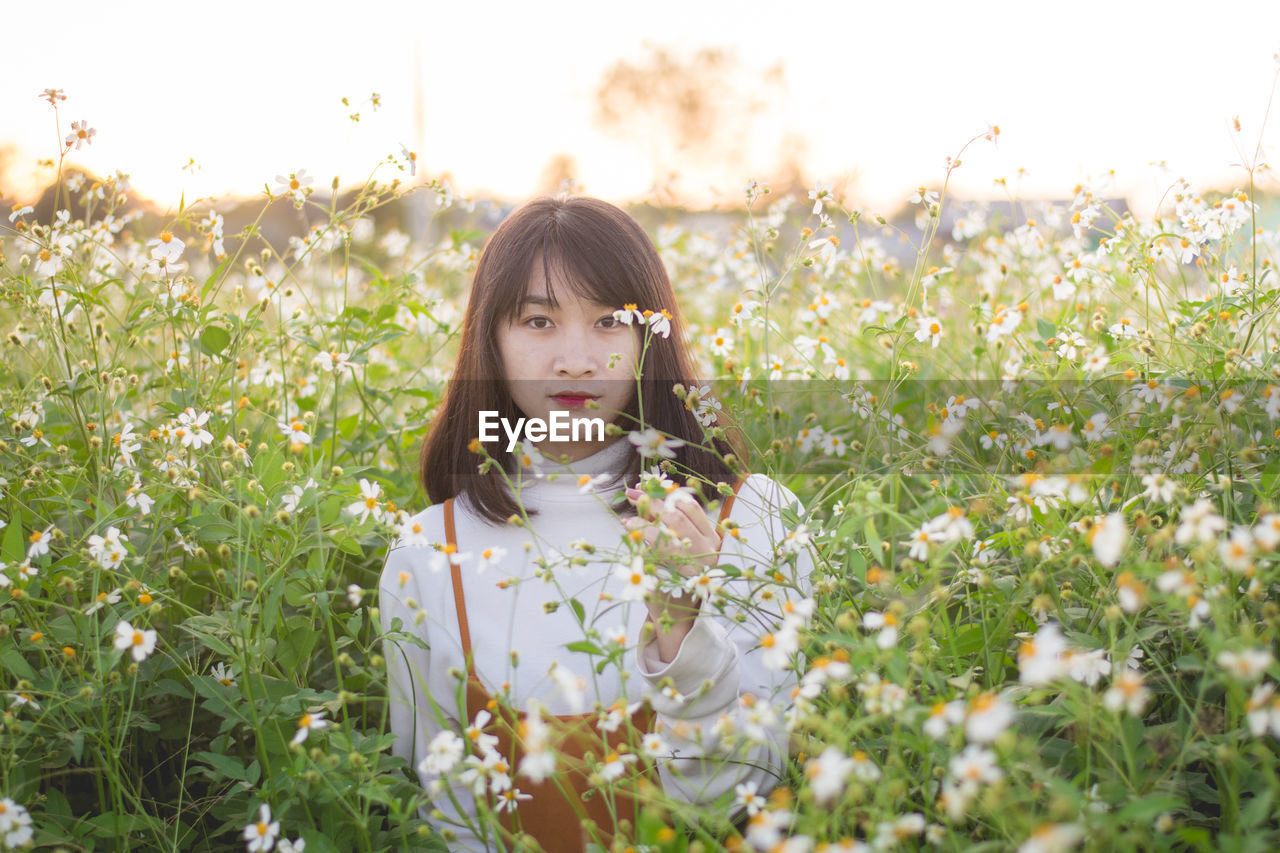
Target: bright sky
<point>877,93</point>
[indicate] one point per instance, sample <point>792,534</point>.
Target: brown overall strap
<point>459,603</point>
<point>727,506</point>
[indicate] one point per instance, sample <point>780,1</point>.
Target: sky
<point>871,100</point>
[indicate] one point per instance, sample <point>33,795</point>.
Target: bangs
<point>578,276</point>
<point>595,264</point>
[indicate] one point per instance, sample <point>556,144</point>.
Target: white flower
<point>354,594</point>
<point>412,534</point>
<point>587,484</point>
<point>509,799</point>
<point>987,718</point>
<point>747,798</point>
<point>539,760</point>
<point>976,765</point>
<point>191,431</point>
<point>886,624</point>
<point>942,716</point>
<point>296,185</point>
<point>308,723</point>
<point>650,443</point>
<point>138,499</point>
<point>1159,488</point>
<point>1237,549</point>
<point>287,846</point>
<point>15,824</point>
<point>443,754</point>
<point>705,408</point>
<point>368,505</point>
<point>923,196</point>
<point>779,646</point>
<point>166,247</point>
<point>1096,361</point>
<point>817,195</point>
<point>103,599</point>
<point>295,430</point>
<point>1052,838</point>
<point>1267,531</point>
<point>1109,538</point>
<point>659,322</point>
<point>140,642</point>
<point>1262,711</point>
<point>1040,659</point>
<point>261,835</point>
<point>1088,668</point>
<point>81,134</point>
<point>930,329</point>
<point>720,343</point>
<point>615,764</point>
<point>826,774</point>
<point>1199,522</point>
<point>448,555</point>
<point>39,540</point>
<point>1097,427</point>
<point>572,687</point>
<point>491,556</point>
<point>223,674</point>
<point>108,550</point>
<point>637,583</point>
<point>330,361</point>
<point>1248,665</point>
<point>864,768</point>
<point>653,745</point>
<point>705,585</point>
<point>1128,692</point>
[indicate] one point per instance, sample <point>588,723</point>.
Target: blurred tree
<point>559,176</point>
<point>688,113</point>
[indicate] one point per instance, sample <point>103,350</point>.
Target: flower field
<point>1039,453</point>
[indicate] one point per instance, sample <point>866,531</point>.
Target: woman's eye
<point>609,322</point>
<point>538,322</point>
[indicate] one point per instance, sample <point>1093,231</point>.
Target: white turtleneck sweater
<point>521,627</point>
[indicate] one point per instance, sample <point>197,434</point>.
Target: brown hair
<point>606,257</point>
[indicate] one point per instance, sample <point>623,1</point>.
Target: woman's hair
<point>605,256</point>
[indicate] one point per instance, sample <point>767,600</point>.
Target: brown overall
<point>565,812</point>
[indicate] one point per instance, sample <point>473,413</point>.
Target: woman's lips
<point>572,402</point>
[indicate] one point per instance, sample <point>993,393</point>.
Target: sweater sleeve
<point>420,698</point>
<point>721,701</point>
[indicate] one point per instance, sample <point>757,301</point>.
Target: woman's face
<point>558,357</point>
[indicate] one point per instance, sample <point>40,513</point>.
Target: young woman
<point>559,645</point>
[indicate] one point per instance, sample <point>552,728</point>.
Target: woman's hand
<point>680,536</point>
<point>677,532</point>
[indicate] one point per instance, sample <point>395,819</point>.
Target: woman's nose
<point>575,357</point>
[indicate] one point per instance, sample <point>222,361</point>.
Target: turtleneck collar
<point>555,476</point>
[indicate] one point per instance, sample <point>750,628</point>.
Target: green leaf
<point>213,277</point>
<point>1258,809</point>
<point>202,628</point>
<point>346,543</point>
<point>1146,809</point>
<point>12,548</point>
<point>214,339</point>
<point>873,539</point>
<point>16,664</point>
<point>585,646</point>
<point>1045,328</point>
<point>225,766</point>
